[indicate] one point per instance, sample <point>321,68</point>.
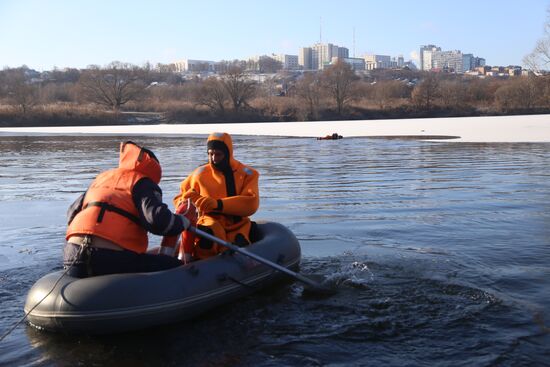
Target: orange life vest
<point>108,210</point>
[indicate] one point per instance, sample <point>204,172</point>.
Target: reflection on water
<point>439,250</point>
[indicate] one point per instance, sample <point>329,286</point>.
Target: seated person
<point>225,193</point>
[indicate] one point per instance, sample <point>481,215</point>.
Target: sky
<point>71,33</point>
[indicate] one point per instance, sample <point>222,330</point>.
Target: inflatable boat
<point>122,302</point>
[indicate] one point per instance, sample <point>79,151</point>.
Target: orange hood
<point>225,138</point>
<point>142,160</point>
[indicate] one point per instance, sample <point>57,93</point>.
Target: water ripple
<point>438,251</point>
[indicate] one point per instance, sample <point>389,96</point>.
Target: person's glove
<point>204,204</point>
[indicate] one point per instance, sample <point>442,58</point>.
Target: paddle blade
<point>319,289</point>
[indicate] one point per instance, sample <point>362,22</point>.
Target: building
<point>410,65</point>
<point>318,56</point>
<point>196,66</point>
<point>400,61</point>
<point>426,56</point>
<point>289,62</point>
<point>356,63</point>
<point>304,58</point>
<point>433,58</point>
<point>377,62</point>
<point>451,61</point>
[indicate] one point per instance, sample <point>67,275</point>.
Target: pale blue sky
<point>73,33</point>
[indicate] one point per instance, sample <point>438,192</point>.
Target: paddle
<point>315,287</point>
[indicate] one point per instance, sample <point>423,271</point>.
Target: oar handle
<point>252,255</point>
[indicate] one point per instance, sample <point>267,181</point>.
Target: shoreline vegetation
<point>56,116</point>
<point>125,94</point>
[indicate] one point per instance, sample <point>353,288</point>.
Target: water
<point>440,252</point>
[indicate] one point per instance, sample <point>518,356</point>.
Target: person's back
<point>226,194</point>
<point>108,224</point>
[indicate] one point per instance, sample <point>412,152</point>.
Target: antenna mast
<point>320,30</point>
<point>353,42</point>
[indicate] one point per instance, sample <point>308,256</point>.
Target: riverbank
<point>522,128</point>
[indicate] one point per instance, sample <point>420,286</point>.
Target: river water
<point>440,252</point>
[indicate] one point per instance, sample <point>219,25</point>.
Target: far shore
<point>517,128</point>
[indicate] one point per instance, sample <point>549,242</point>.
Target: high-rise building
<point>448,60</point>
<point>431,57</point>
<point>320,55</point>
<point>304,58</point>
<point>426,56</point>
<point>400,61</point>
<point>478,61</point>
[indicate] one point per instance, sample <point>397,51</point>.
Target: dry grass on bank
<point>57,114</point>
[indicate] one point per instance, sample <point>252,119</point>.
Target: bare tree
<point>19,89</point>
<point>57,92</point>
<point>113,86</point>
<point>425,93</point>
<point>386,91</point>
<point>269,65</point>
<point>339,79</point>
<point>310,90</point>
<point>212,94</point>
<point>539,58</point>
<point>238,86</point>
<point>518,93</point>
<point>453,94</point>
<point>479,92</point>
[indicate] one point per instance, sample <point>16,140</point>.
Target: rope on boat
<point>11,329</point>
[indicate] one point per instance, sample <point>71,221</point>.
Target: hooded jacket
<point>234,185</point>
<point>108,208</point>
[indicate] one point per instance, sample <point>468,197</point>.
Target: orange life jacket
<point>108,210</point>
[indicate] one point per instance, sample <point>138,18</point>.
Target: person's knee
<point>205,243</point>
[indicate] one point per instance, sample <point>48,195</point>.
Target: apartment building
<point>426,56</point>
<point>448,60</point>
<point>433,58</point>
<point>318,56</point>
<point>304,58</point>
<point>377,62</point>
<point>289,62</point>
<point>198,66</point>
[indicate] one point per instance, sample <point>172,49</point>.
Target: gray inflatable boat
<point>123,302</point>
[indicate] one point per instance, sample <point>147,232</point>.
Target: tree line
<point>104,94</point>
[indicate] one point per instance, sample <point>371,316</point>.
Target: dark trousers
<point>92,261</point>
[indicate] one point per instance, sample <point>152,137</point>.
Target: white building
<point>320,55</point>
<point>188,65</point>
<point>377,62</point>
<point>426,56</point>
<point>356,63</point>
<point>290,62</point>
<point>431,57</point>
